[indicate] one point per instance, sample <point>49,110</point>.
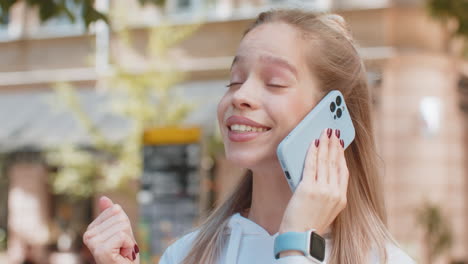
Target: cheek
<point>221,110</point>
<point>292,111</point>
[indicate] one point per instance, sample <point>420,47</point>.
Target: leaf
<point>90,14</point>
<point>441,8</point>
<point>68,12</point>
<point>436,229</point>
<point>160,3</point>
<point>451,10</point>
<point>48,9</point>
<point>145,97</point>
<point>5,6</point>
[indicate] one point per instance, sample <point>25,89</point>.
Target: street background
<point>119,98</point>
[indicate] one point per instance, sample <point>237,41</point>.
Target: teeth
<point>244,128</point>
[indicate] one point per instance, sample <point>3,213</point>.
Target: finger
<point>117,241</point>
<point>333,149</point>
<point>322,156</point>
<point>310,166</point>
<point>343,172</point>
<point>127,252</point>
<point>115,230</point>
<point>104,203</point>
<point>108,223</point>
<point>122,221</point>
<point>100,240</point>
<point>109,212</point>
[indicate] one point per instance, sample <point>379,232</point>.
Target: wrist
<point>283,230</point>
<point>294,243</point>
<point>289,228</point>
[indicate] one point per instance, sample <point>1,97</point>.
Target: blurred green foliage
<point>437,234</point>
<point>48,9</point>
<point>448,11</point>
<point>3,239</point>
<point>145,96</point>
<point>3,203</point>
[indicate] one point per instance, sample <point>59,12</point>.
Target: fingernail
<point>133,255</point>
<point>137,249</point>
<point>342,143</point>
<point>337,133</point>
<point>329,132</point>
<point>317,142</point>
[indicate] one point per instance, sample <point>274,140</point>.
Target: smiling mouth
<point>239,128</point>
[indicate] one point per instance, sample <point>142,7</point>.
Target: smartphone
<point>330,112</point>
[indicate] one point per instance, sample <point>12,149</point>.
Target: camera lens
<point>332,107</point>
<point>338,113</point>
<point>338,100</point>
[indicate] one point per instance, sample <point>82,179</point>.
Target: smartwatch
<point>309,243</point>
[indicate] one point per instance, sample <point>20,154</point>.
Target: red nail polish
<point>137,249</point>
<point>329,132</point>
<point>317,142</point>
<point>133,255</point>
<point>342,143</point>
<point>337,133</point>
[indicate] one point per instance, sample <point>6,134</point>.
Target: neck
<point>270,196</point>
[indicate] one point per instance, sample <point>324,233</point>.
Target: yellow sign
<point>171,135</point>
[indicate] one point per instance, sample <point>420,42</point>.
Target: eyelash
<point>232,84</point>
<point>277,86</point>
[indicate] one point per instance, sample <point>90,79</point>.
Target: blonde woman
<point>286,62</point>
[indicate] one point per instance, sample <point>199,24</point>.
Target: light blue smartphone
<point>330,112</point>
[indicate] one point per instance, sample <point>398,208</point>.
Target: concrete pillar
<point>28,212</point>
<point>420,166</point>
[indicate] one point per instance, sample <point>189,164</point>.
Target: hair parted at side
<point>361,226</point>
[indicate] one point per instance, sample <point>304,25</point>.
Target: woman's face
<point>271,90</point>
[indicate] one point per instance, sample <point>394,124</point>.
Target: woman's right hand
<point>109,237</point>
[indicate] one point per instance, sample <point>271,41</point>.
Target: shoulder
<point>177,251</point>
<point>397,256</point>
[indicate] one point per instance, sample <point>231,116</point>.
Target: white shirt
<point>250,243</point>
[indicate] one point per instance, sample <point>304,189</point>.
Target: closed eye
<point>232,84</point>
<point>277,85</point>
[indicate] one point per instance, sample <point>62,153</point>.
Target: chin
<point>248,159</point>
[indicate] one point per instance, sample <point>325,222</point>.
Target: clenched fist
<point>109,237</point>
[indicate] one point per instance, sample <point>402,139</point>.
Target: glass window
<point>183,4</point>
<point>4,25</point>
<point>183,7</point>
<point>4,19</point>
<point>62,24</point>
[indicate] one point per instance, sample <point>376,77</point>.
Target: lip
<point>243,121</point>
<point>243,136</point>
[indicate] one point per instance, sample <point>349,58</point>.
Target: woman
<point>286,62</point>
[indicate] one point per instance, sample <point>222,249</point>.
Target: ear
<point>104,203</point>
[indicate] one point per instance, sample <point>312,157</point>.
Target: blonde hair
<point>361,226</point>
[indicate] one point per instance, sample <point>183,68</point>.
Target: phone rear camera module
<point>338,100</point>
<point>338,112</point>
<point>332,107</point>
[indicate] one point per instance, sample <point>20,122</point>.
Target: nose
<point>246,96</point>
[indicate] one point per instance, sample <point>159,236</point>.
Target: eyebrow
<point>270,59</point>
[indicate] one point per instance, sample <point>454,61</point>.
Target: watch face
<point>317,246</point>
